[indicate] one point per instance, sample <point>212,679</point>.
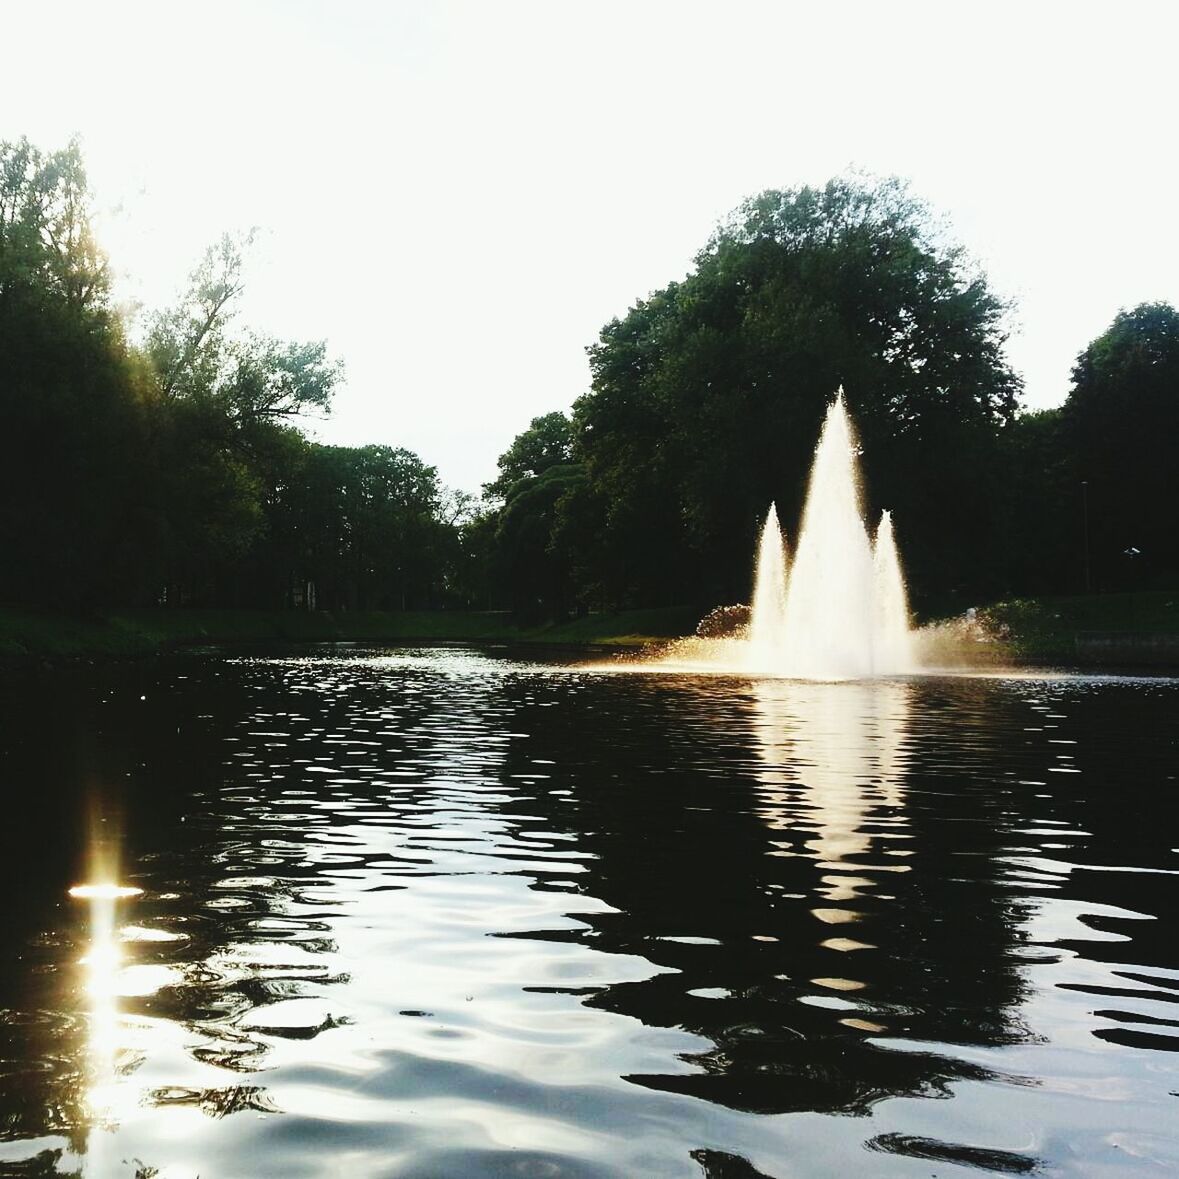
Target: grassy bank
<point>1129,628</point>
<point>28,633</point>
<point>1126,629</point>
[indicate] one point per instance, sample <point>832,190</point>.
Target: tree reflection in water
<point>753,838</point>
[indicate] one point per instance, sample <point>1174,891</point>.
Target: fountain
<point>839,609</point>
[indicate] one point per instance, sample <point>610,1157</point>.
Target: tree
<point>225,396</point>
<point>76,509</point>
<point>186,342</point>
<point>546,443</point>
<point>523,536</point>
<point>253,377</point>
<point>47,247</point>
<point>362,525</point>
<point>707,396</point>
<point>533,564</point>
<point>176,470</point>
<point>1045,536</point>
<point>1123,418</point>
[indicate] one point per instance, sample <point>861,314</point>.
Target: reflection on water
<point>833,764</point>
<point>831,785</point>
<point>102,963</point>
<point>447,914</point>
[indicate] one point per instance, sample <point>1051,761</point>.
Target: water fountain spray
<point>839,610</point>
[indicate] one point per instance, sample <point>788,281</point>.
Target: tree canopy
<point>707,396</point>
<point>171,466</point>
<point>548,442</point>
<point>1123,417</point>
<point>174,471</point>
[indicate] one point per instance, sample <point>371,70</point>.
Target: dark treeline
<point>171,470</point>
<point>707,398</point>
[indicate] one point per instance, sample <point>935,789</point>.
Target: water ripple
<point>445,913</point>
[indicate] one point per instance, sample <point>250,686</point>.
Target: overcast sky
<point>458,195</point>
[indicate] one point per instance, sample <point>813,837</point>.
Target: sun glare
<point>103,963</point>
<point>104,892</point>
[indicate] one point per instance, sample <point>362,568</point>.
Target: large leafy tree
<point>1044,536</point>
<point>250,377</point>
<point>525,534</point>
<point>1123,418</point>
<point>533,561</point>
<point>361,526</point>
<point>76,509</point>
<point>548,442</point>
<point>707,396</point>
<point>48,252</point>
<point>176,470</point>
<point>225,395</point>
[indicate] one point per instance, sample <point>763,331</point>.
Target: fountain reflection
<point>769,868</point>
<point>832,760</point>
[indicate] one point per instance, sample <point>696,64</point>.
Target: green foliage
<point>548,442</point>
<point>1123,418</point>
<point>173,472</point>
<point>524,535</point>
<point>186,343</point>
<point>47,249</point>
<point>1042,631</point>
<point>176,471</point>
<point>269,379</point>
<point>1044,537</point>
<point>223,394</point>
<point>1092,487</point>
<point>707,397</point>
<point>249,377</point>
<point>75,512</point>
<point>533,562</point>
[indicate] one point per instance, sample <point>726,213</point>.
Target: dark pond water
<point>446,913</point>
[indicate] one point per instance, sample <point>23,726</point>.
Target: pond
<point>433,913</point>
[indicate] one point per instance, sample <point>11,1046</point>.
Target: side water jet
<point>892,639</point>
<point>767,623</point>
<point>840,610</point>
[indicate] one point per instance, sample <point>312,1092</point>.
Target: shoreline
<point>1139,630</point>
<point>28,635</point>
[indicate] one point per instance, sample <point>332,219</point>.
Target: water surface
<point>447,913</point>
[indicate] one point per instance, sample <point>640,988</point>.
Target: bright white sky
<point>458,195</point>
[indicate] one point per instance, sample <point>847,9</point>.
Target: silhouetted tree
<point>175,471</point>
<point>1044,537</point>
<point>533,560</point>
<point>548,442</point>
<point>76,510</point>
<point>1123,418</point>
<point>707,396</point>
<point>361,525</point>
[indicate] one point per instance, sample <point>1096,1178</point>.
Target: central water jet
<point>839,609</point>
